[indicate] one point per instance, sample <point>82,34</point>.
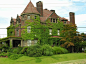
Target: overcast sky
<point>10,8</point>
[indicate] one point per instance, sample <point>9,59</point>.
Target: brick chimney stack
<point>39,6</point>
<point>72,17</point>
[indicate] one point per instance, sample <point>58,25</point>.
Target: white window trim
<point>28,17</point>
<point>50,31</point>
<point>28,29</point>
<point>28,42</point>
<point>35,41</point>
<point>17,32</point>
<point>58,32</point>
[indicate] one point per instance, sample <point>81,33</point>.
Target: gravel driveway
<point>79,61</point>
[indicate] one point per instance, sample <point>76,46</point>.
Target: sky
<point>10,8</point>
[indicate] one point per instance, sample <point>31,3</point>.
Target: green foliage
<point>10,31</point>
<point>15,50</point>
<point>59,50</point>
<point>34,51</point>
<point>85,51</point>
<point>3,54</point>
<point>15,56</point>
<point>38,60</point>
<point>47,50</point>
<point>24,50</point>
<point>40,30</point>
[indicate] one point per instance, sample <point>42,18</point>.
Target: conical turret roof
<point>30,9</point>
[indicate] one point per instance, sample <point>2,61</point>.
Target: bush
<point>3,54</point>
<point>85,51</point>
<point>47,50</point>
<point>15,56</point>
<point>34,51</point>
<point>24,50</point>
<point>15,50</point>
<point>59,50</point>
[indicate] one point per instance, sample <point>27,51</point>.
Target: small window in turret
<point>35,17</point>
<point>28,17</point>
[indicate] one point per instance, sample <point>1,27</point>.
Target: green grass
<point>44,59</point>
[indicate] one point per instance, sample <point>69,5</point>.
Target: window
<point>50,31</point>
<point>17,32</point>
<point>64,22</point>
<point>28,17</point>
<point>29,29</point>
<point>17,22</point>
<point>35,17</point>
<point>56,20</point>
<point>53,20</point>
<point>35,41</point>
<point>58,32</point>
<point>24,43</point>
<point>28,42</point>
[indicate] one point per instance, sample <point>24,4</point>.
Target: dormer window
<point>28,29</point>
<point>53,20</point>
<point>28,17</point>
<point>50,31</point>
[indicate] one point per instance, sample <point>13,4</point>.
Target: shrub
<point>47,50</point>
<point>34,51</point>
<point>59,50</point>
<point>10,50</point>
<point>85,51</point>
<point>24,50</point>
<point>15,50</point>
<point>3,54</point>
<point>15,56</point>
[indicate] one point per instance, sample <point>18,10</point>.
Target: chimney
<point>52,10</point>
<point>39,6</point>
<point>72,17</point>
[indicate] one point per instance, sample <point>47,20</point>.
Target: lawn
<point>44,59</point>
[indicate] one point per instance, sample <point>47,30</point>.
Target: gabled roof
<point>46,14</point>
<point>30,9</point>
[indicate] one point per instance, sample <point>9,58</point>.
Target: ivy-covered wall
<point>40,31</point>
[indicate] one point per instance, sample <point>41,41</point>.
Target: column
<point>11,43</point>
<point>21,43</point>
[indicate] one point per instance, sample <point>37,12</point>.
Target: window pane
<point>50,31</point>
<point>17,32</point>
<point>53,20</point>
<point>28,17</point>
<point>35,17</point>
<point>29,29</point>
<point>28,42</point>
<point>58,32</point>
<point>35,41</point>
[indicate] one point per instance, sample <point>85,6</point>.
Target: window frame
<point>28,17</point>
<point>17,32</point>
<point>28,29</point>
<point>50,31</point>
<point>28,43</point>
<point>58,32</point>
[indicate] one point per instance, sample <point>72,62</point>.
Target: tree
<point>70,37</point>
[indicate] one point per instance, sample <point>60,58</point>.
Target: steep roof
<point>30,9</point>
<point>46,14</point>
